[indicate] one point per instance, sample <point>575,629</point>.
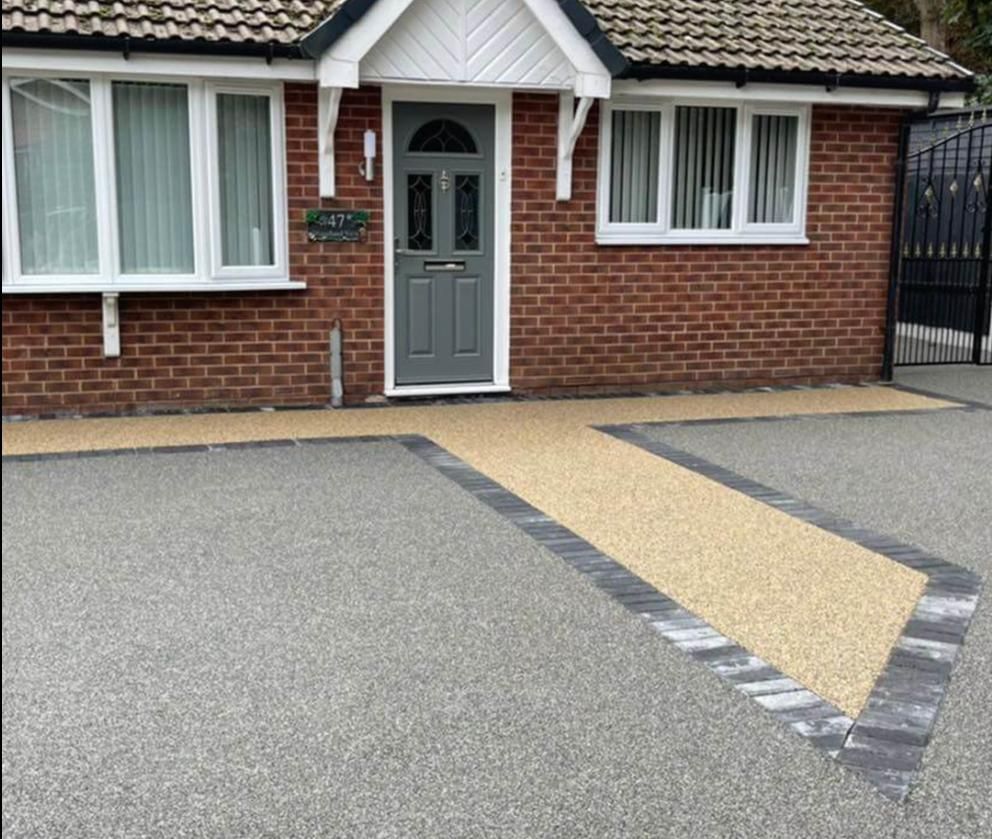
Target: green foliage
<point>969,34</point>
<point>983,93</point>
<point>973,19</point>
<point>903,12</point>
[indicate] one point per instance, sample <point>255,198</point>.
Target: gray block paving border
<point>932,394</point>
<point>884,744</point>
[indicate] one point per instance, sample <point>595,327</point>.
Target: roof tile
<point>833,36</point>
<point>282,22</point>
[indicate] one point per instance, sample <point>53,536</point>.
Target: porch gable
<point>498,43</point>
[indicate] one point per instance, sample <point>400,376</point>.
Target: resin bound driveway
<point>340,640</point>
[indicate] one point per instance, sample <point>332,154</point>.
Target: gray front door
<point>443,188</point>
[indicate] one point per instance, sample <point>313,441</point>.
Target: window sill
<point>753,239</point>
<point>445,390</point>
<point>98,287</point>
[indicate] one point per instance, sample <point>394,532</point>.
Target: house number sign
<point>336,225</point>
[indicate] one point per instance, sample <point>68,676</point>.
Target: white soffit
<point>491,42</point>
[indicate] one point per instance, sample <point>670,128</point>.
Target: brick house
<point>543,195</point>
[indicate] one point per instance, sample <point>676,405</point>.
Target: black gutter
<point>314,44</point>
<point>127,45</point>
<point>588,27</point>
<point>743,75</point>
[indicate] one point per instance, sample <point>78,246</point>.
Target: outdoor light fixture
<point>367,168</point>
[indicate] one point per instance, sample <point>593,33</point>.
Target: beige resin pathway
<point>821,609</point>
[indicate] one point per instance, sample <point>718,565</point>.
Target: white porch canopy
<point>517,44</point>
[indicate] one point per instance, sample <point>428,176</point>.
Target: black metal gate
<point>940,297</point>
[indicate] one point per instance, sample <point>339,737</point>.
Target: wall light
<point>368,168</point>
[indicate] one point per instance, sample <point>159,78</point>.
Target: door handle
<point>449,265</point>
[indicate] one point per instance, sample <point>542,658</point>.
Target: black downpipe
<point>895,251</point>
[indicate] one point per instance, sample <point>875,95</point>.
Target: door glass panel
<point>466,212</point>
<point>420,221</point>
<point>442,136</point>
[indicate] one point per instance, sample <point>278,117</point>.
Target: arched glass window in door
<point>443,136</point>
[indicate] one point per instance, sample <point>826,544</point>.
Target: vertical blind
<point>773,169</point>
<point>244,145</point>
<point>154,197</point>
<point>53,165</point>
<point>634,168</point>
<point>702,196</point>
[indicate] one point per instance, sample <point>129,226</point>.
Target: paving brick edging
<point>885,744</point>
<point>454,399</point>
<point>932,394</point>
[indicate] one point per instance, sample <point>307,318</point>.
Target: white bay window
<point>244,166</point>
<point>154,178</point>
<point>116,184</point>
<point>634,167</point>
<point>55,184</point>
<point>772,186</point>
<point>703,168</point>
<point>688,173</point>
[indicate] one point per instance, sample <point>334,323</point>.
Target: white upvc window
<point>142,184</point>
<point>687,172</point>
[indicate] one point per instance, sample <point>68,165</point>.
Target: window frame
<point>208,273</point>
<point>741,232</point>
<point>276,128</point>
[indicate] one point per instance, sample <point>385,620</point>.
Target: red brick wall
<point>600,317</point>
<point>582,316</point>
<point>222,348</point>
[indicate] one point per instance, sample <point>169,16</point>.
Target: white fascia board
<point>337,72</point>
<point>592,79</point>
<point>148,64</point>
<point>593,85</point>
<point>339,64</point>
<point>952,100</point>
<point>792,93</point>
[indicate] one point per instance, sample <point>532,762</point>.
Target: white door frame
<point>503,101</point>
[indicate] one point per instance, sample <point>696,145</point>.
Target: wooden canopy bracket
<point>571,121</point>
<point>328,104</point>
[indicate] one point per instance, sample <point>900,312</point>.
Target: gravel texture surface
<point>817,607</point>
<point>926,479</point>
<point>279,642</point>
<point>960,381</point>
